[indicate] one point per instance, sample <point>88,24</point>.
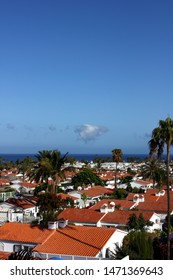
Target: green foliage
<point>126,179</point>
<point>50,205</point>
<point>137,223</point>
<point>160,247</point>
<point>100,160</point>
<point>5,164</point>
<point>117,155</point>
<point>120,194</point>
<point>86,177</point>
<point>49,164</point>
<point>25,165</point>
<point>130,171</point>
<point>137,245</point>
<point>162,136</point>
<point>40,188</point>
<point>153,170</point>
<point>70,160</point>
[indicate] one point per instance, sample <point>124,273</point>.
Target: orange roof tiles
<point>80,215</point>
<point>4,181</point>
<point>28,185</point>
<point>122,216</point>
<point>4,255</point>
<point>96,191</point>
<point>124,204</point>
<point>23,233</point>
<point>76,240</point>
<point>21,202</point>
<point>71,240</point>
<point>66,196</point>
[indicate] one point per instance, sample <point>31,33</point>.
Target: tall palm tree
<point>153,170</point>
<point>163,136</point>
<point>117,157</point>
<point>49,165</point>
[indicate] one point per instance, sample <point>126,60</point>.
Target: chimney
<point>62,223</point>
<point>52,225</point>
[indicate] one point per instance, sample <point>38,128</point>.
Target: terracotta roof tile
<point>23,233</point>
<point>4,255</point>
<point>71,240</point>
<point>96,191</point>
<point>21,202</point>
<point>76,240</point>
<point>80,215</point>
<point>66,196</point>
<point>122,216</point>
<point>124,204</point>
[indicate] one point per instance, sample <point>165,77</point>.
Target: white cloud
<point>89,132</point>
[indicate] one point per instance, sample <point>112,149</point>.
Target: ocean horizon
<point>79,157</point>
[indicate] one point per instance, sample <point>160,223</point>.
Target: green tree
<point>132,222</point>
<point>120,194</point>
<point>163,136</point>
<point>153,170</point>
<point>50,205</point>
<point>50,164</point>
<point>138,223</point>
<point>86,177</point>
<point>137,245</point>
<point>24,166</point>
<point>117,157</point>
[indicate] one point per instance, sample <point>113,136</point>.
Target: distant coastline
<point>79,157</point>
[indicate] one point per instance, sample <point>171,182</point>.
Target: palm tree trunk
<point>53,187</point>
<point>168,201</point>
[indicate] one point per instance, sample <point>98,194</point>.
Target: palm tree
<point>163,136</point>
<point>49,165</point>
<point>153,170</point>
<point>117,157</point>
<point>25,166</point>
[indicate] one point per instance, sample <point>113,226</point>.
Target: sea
<point>78,157</point>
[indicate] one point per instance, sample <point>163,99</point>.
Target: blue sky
<point>84,76</point>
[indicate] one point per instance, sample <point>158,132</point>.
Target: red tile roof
<point>28,185</point>
<point>96,191</point>
<point>80,215</point>
<point>4,182</point>
<point>21,202</point>
<point>76,240</point>
<point>23,233</point>
<point>124,204</point>
<point>4,255</point>
<point>71,240</point>
<point>122,216</point>
<point>66,196</point>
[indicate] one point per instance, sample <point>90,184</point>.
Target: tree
<point>154,171</point>
<point>24,254</point>
<point>25,166</point>
<point>132,222</point>
<point>50,205</point>
<point>137,245</point>
<point>117,157</point>
<point>86,177</point>
<point>49,165</point>
<point>138,223</point>
<point>84,198</point>
<point>120,194</point>
<point>163,136</point>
